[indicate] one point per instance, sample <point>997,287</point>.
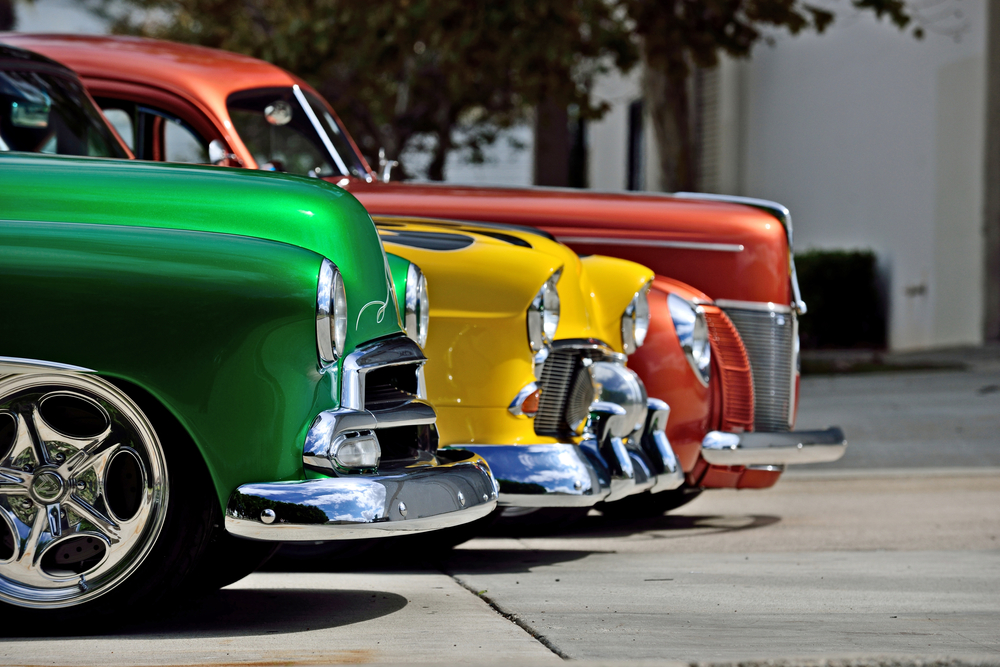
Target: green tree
<point>680,35</point>
<point>399,70</point>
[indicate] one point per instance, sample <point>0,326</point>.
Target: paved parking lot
<point>891,556</point>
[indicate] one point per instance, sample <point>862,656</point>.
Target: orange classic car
<point>722,345</point>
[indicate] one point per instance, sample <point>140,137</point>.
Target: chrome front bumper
<point>412,499</point>
<point>601,468</point>
<point>773,448</point>
<point>552,475</point>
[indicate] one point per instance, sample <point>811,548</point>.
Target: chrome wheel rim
<point>83,489</point>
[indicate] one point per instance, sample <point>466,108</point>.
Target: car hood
<point>307,213</point>
<point>753,243</point>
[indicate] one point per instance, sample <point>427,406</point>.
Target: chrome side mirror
<point>385,166</point>
<point>220,157</point>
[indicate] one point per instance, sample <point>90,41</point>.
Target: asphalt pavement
<point>889,557</point>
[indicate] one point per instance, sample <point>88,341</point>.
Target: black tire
<point>169,552</point>
<point>543,521</point>
<point>376,553</point>
<point>344,555</point>
<point>646,505</point>
<point>227,560</point>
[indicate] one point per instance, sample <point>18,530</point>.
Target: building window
<point>636,145</point>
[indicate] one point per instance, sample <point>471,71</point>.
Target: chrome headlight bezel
<point>692,334</point>
<point>416,305</point>
<point>331,313</point>
<point>543,314</point>
<point>635,321</point>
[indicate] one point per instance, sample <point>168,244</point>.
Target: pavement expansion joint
<point>510,616</point>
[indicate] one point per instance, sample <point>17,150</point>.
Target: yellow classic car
<point>527,346</point>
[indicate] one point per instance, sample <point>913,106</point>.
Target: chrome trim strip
<point>786,448</point>
<point>762,306</point>
<point>414,499</point>
<point>779,211</point>
<point>391,352</point>
<point>653,243</point>
<point>319,130</point>
<point>11,365</point>
<point>551,475</point>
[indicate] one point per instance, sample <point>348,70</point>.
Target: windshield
<point>44,111</point>
<point>282,135</point>
<point>338,136</point>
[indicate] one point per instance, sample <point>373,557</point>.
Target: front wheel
<point>89,516</point>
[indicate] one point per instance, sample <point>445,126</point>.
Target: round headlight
<point>331,313</point>
<point>543,314</point>
<point>692,332</point>
<point>635,321</point>
<point>417,314</point>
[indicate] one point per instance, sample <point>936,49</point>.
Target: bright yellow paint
<point>477,344</point>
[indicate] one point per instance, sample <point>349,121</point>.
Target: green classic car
<point>198,363</point>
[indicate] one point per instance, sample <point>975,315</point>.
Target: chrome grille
<point>769,338</point>
<point>564,399</point>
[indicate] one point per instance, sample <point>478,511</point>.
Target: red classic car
<point>722,346</point>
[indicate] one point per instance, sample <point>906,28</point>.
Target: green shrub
<point>841,290</point>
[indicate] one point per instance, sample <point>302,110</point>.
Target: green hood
<point>307,213</point>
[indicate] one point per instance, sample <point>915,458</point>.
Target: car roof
<point>22,56</point>
<point>192,70</point>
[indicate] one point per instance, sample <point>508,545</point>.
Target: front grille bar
<point>768,332</point>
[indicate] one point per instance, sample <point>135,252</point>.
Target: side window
<point>154,134</point>
<point>121,120</point>
<point>180,144</point>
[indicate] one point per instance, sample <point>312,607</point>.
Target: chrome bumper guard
<point>412,499</point>
<point>773,448</point>
<point>656,446</point>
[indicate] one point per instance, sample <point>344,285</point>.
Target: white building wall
<point>607,139</point>
<point>873,139</point>
<point>58,16</point>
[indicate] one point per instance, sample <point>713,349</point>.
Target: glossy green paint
<point>219,327</point>
<point>398,268</point>
<point>304,212</point>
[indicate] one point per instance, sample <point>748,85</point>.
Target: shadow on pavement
<point>507,561</point>
<point>426,556</point>
<point>602,526</point>
<point>238,613</point>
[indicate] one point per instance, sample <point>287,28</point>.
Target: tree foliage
<point>460,72</point>
<point>398,70</point>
